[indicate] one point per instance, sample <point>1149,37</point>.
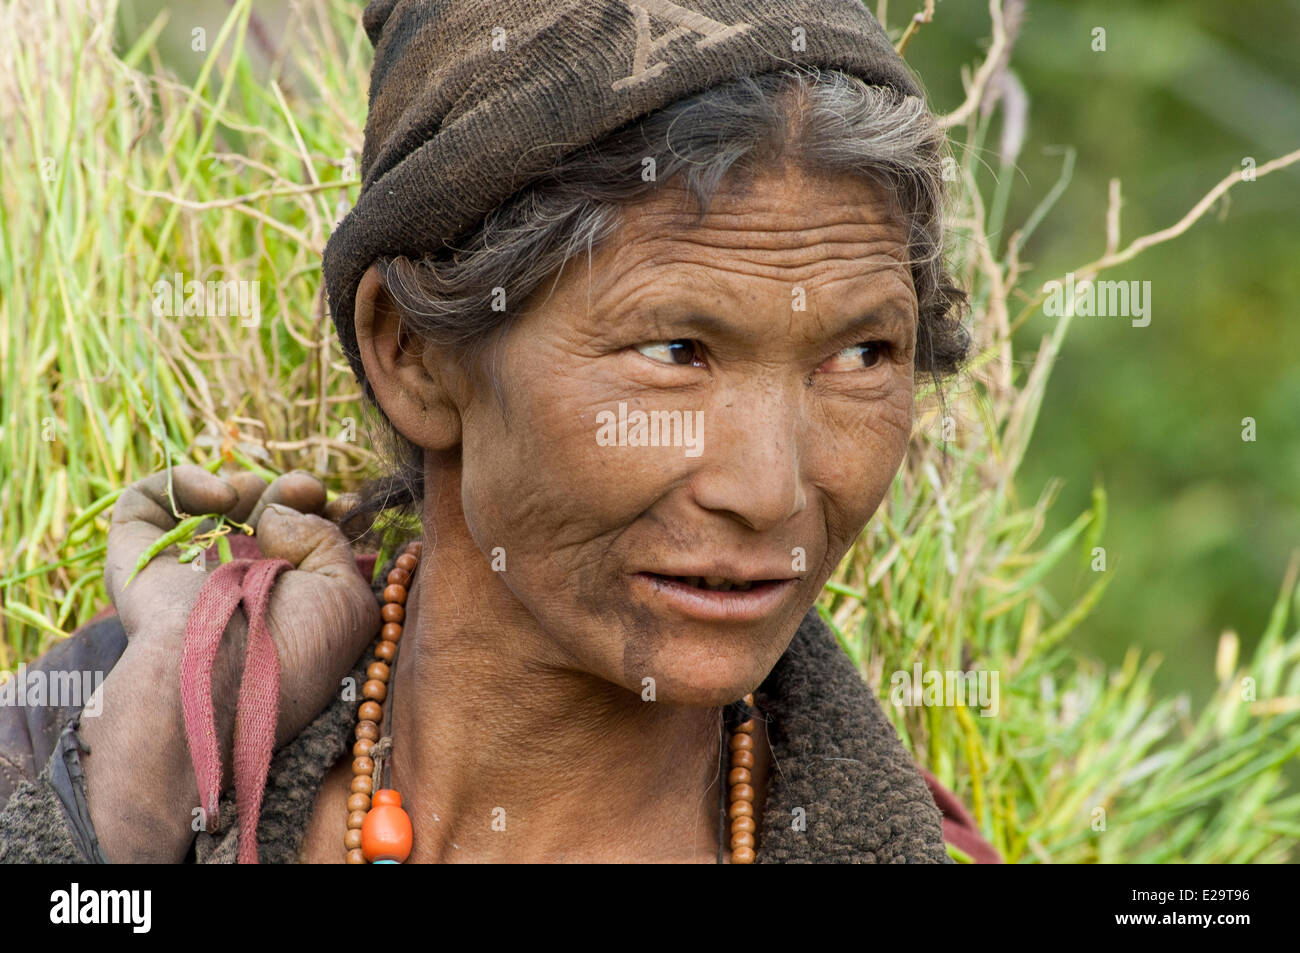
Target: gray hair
<point>828,121</point>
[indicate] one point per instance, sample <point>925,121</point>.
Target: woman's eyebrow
<point>892,314</point>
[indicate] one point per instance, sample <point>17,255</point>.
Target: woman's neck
<point>503,755</point>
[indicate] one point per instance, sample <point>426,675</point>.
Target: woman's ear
<point>413,382</point>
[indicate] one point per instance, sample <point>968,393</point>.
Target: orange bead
<point>742,759</point>
<point>741,743</point>
<point>356,819</point>
<point>392,632</point>
<point>358,802</point>
<point>743,839</point>
<point>362,766</point>
<point>742,855</point>
<point>370,711</point>
<point>749,699</point>
<point>745,824</point>
<point>386,650</point>
<point>395,594</point>
<point>738,776</point>
<point>386,833</point>
<point>398,577</point>
<point>362,784</point>
<point>356,857</point>
<point>377,671</point>
<point>742,792</point>
<point>740,809</point>
<point>362,748</point>
<point>407,561</point>
<point>375,690</point>
<point>746,727</point>
<point>392,613</point>
<point>352,841</point>
<point>370,731</point>
<point>415,548</point>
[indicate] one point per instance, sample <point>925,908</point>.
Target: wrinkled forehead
<point>783,224</point>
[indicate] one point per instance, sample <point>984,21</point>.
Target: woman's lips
<point>749,605</point>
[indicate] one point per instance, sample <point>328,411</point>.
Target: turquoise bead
<point>383,861</point>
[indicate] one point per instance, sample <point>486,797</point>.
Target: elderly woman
<point>639,292</point>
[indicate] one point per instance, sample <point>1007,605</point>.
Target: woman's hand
<point>140,781</point>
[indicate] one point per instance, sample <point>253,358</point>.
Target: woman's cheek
<point>858,460</point>
<point>543,482</point>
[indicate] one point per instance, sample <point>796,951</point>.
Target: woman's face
<point>771,348</point>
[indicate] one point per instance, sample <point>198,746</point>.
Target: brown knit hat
<point>470,100</point>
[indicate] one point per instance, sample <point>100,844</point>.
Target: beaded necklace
<point>379,831</point>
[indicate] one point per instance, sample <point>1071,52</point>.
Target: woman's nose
<point>752,461</point>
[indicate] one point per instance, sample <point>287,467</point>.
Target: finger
<point>250,487</point>
<point>193,489</point>
<point>312,543</point>
<point>297,489</point>
<point>143,513</point>
<point>341,505</point>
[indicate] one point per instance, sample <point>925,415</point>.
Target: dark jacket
<point>838,765</point>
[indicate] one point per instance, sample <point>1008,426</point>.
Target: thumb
<point>311,543</point>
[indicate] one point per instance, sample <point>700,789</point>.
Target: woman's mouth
<point>717,597</point>
<point>714,583</point>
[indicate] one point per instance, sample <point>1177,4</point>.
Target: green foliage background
<point>1201,523</point>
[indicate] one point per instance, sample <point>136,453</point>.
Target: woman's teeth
<point>716,583</point>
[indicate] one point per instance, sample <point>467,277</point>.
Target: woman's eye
<point>858,357</point>
<point>681,352</point>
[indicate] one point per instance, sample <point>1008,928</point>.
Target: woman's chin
<point>710,684</point>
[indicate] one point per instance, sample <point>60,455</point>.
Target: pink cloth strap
<point>248,581</point>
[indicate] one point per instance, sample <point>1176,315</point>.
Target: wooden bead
<point>370,730</point>
<point>746,727</point>
<point>356,819</point>
<point>362,748</point>
<point>740,809</point>
<point>742,855</point>
<point>386,650</point>
<point>358,802</point>
<point>375,690</point>
<point>741,743</point>
<point>352,841</point>
<point>356,857</point>
<point>362,766</point>
<point>392,632</point>
<point>362,784</point>
<point>742,759</point>
<point>407,561</point>
<point>395,594</point>
<point>738,776</point>
<point>416,548</point>
<point>377,671</point>
<point>387,833</point>
<point>398,577</point>
<point>745,824</point>
<point>749,699</point>
<point>742,792</point>
<point>392,613</point>
<point>743,839</point>
<point>370,711</point>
